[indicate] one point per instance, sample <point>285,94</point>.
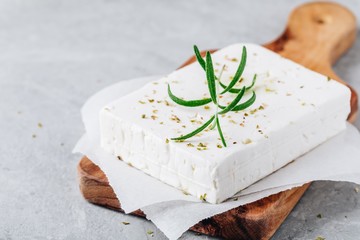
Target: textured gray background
<point>55,54</point>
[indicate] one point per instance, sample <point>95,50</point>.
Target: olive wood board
<point>316,35</point>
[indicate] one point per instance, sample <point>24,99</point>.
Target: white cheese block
<point>296,109</point>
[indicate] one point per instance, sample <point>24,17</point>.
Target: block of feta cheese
<point>296,109</point>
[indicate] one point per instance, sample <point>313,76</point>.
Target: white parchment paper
<point>172,212</point>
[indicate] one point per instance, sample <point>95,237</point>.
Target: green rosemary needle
<point>236,90</point>
<point>199,58</point>
<point>210,76</point>
<point>196,131</point>
<point>239,71</point>
<point>188,103</point>
<point>220,131</point>
<point>243,105</point>
<point>246,104</point>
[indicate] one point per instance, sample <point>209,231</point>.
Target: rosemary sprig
<point>213,82</point>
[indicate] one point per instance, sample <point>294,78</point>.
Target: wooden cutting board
<point>317,34</point>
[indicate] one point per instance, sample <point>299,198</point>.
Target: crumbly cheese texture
<point>296,110</point>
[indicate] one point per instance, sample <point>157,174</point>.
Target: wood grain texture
<point>317,34</point>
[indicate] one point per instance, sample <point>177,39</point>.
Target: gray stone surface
<point>55,54</point>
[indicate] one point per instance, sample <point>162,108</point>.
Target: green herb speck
<point>203,197</point>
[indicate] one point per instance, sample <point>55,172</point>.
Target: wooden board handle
<point>316,36</point>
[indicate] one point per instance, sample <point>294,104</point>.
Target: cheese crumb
<point>247,141</point>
